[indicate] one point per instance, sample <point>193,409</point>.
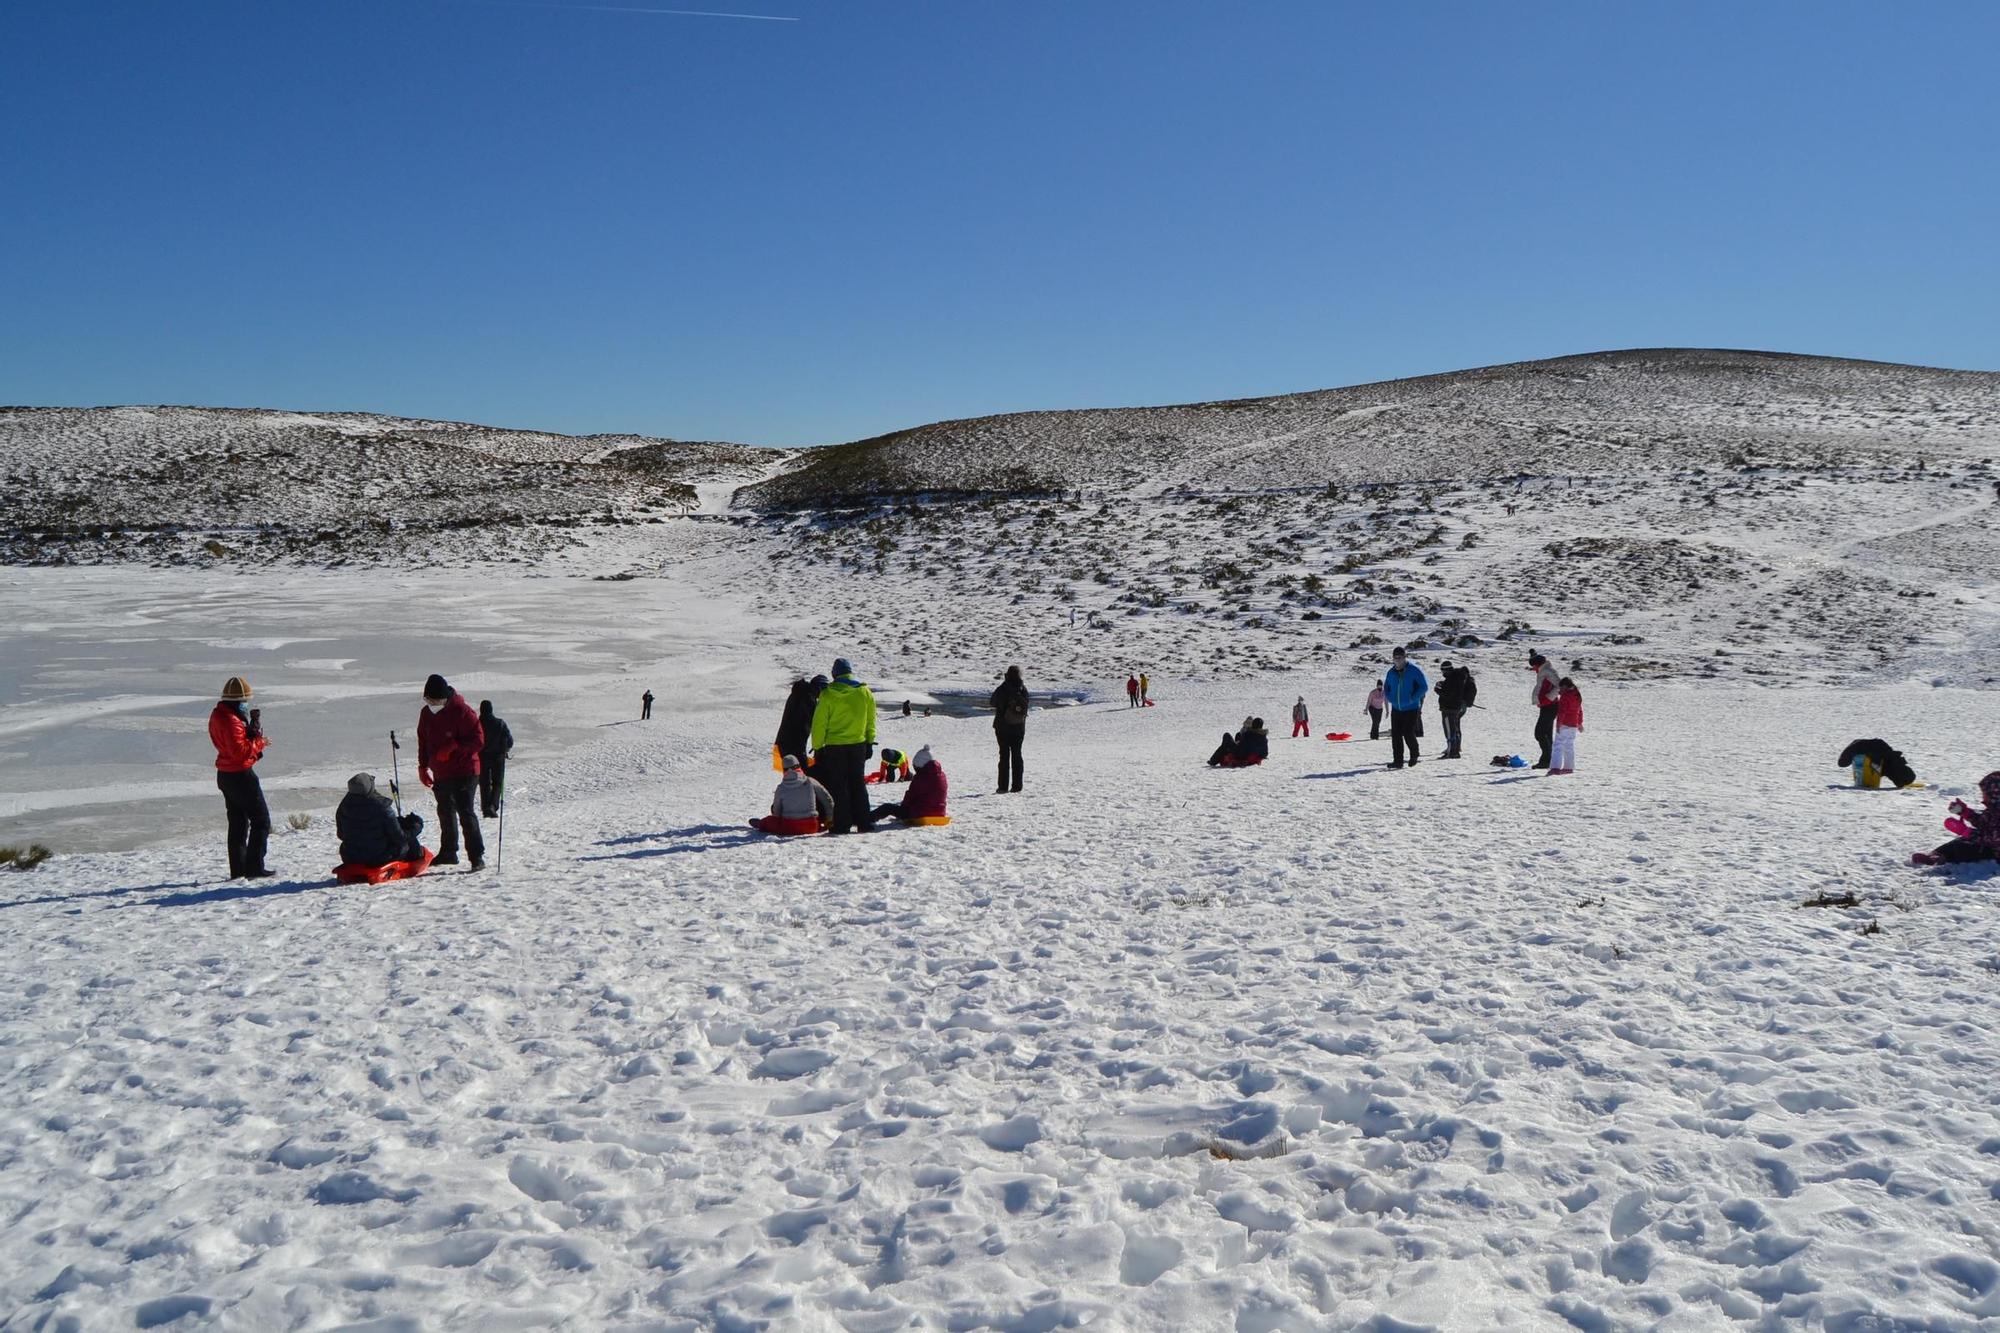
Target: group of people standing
<point>1400,695</point>
<point>1138,690</point>
<point>461,755</point>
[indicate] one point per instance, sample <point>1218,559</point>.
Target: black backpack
<point>1468,689</point>
<point>1014,705</point>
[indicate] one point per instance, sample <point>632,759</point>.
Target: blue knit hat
<point>842,667</point>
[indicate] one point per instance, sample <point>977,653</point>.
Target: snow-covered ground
<point>1148,1046</point>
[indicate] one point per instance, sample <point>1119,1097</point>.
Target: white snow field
<point>1311,1046</point>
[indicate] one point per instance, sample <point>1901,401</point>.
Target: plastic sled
<point>1232,761</point>
<point>1145,703</point>
<point>353,874</point>
<point>787,828</point>
<point>1340,735</point>
<point>929,821</point>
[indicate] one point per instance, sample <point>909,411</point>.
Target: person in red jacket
<point>449,739</point>
<point>926,796</point>
<point>237,732</point>
<point>1547,686</point>
<point>1569,721</point>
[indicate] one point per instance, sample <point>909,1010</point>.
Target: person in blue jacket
<point>1404,686</point>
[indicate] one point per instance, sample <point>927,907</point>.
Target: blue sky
<point>581,219</point>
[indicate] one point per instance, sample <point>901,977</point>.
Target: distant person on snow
<point>237,732</point>
<point>1010,727</point>
<point>926,797</point>
<point>646,706</point>
<point>370,833</point>
<point>1131,691</point>
<point>795,727</point>
<point>1404,687</point>
<point>1456,690</point>
<point>1978,831</point>
<point>1145,689</point>
<point>1874,759</point>
<point>1377,701</point>
<point>1247,748</point>
<point>799,805</point>
<point>1569,722</point>
<point>1543,694</point>
<point>906,708</point>
<point>493,750</point>
<point>449,740</point>
<point>1301,722</point>
<point>843,736</point>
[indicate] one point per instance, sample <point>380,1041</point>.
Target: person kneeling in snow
<point>370,833</point>
<point>1252,745</point>
<point>1978,830</point>
<point>799,805</point>
<point>924,799</point>
<point>1875,759</point>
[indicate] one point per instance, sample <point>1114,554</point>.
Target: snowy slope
<point>1315,1046</point>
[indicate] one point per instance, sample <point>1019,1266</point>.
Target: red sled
<point>787,828</point>
<point>353,874</point>
<point>1340,735</point>
<point>1231,761</point>
<point>1145,703</point>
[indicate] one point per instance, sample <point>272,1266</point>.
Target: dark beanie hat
<point>437,687</point>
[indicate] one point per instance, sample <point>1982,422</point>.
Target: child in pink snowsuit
<point>1569,721</point>
<point>1978,830</point>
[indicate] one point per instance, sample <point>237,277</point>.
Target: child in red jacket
<point>1569,721</point>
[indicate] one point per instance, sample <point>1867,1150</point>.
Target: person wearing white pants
<point>1562,754</point>
<point>1569,721</point>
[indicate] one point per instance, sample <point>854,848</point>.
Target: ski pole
<point>395,775</point>
<point>500,809</point>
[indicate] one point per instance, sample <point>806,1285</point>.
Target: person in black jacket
<point>1882,761</point>
<point>1010,727</point>
<point>1456,690</point>
<point>370,833</point>
<point>492,761</point>
<point>795,727</point>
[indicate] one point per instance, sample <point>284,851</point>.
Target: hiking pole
<point>500,810</point>
<point>395,776</point>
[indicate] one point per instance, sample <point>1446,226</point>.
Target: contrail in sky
<point>633,9</point>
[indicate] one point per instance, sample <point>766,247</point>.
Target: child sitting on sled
<point>799,805</point>
<point>1978,831</point>
<point>1250,746</point>
<point>925,798</point>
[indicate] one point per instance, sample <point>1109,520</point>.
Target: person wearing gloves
<point>1976,832</point>
<point>237,732</point>
<point>449,739</point>
<point>799,805</point>
<point>1404,686</point>
<point>843,736</point>
<point>926,797</point>
<point>370,833</point>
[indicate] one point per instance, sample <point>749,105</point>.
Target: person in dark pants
<point>369,831</point>
<point>499,739</point>
<point>1547,691</point>
<point>1405,686</point>
<point>1010,728</point>
<point>237,732</point>
<point>448,744</point>
<point>795,727</point>
<point>1377,701</point>
<point>1456,689</point>
<point>843,736</point>
<point>646,705</point>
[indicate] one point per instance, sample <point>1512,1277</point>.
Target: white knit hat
<point>923,758</point>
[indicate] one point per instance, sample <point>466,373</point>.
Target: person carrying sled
<point>646,706</point>
<point>1248,747</point>
<point>493,750</point>
<point>1301,721</point>
<point>1131,691</point>
<point>1875,759</point>
<point>237,732</point>
<point>1456,690</point>
<point>843,736</point>
<point>795,727</point>
<point>449,740</point>
<point>1377,701</point>
<point>1977,831</point>
<point>1569,723</point>
<point>1405,687</point>
<point>1009,702</point>
<point>1546,690</point>
<point>926,797</point>
<point>799,805</point>
<point>370,833</point>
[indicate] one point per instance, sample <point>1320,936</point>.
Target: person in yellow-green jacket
<point>843,736</point>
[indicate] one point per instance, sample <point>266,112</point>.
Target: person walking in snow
<point>926,797</point>
<point>1145,689</point>
<point>449,740</point>
<point>1456,690</point>
<point>796,725</point>
<point>799,805</point>
<point>1377,701</point>
<point>493,750</point>
<point>1131,691</point>
<point>1569,722</point>
<point>646,706</point>
<point>1977,831</point>
<point>1405,686</point>
<point>1544,694</point>
<point>237,732</point>
<point>1009,702</point>
<point>1301,722</point>
<point>370,834</point>
<point>843,736</point>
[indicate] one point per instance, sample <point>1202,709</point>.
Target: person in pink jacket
<point>1569,721</point>
<point>1377,701</point>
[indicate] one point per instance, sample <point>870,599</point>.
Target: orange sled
<point>353,874</point>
